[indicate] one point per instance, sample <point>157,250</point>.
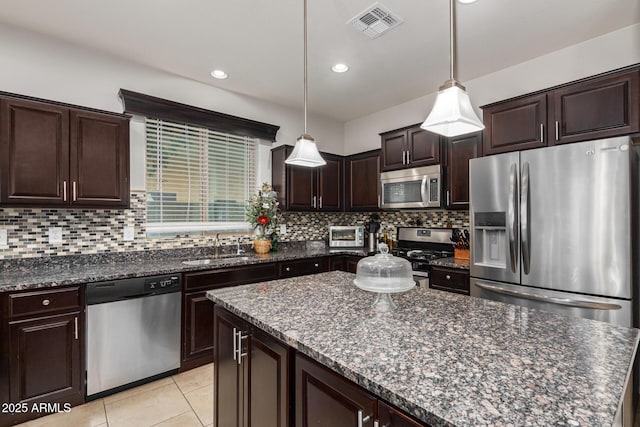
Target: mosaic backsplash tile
<point>92,231</point>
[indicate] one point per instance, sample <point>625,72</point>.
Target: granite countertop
<point>448,359</point>
<point>68,270</point>
<point>451,262</point>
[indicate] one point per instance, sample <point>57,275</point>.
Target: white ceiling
<point>259,42</point>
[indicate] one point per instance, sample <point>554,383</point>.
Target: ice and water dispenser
<point>490,243</point>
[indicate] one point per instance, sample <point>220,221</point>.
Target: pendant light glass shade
<point>305,153</point>
<point>452,113</point>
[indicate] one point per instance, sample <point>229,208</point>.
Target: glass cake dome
<point>384,274</point>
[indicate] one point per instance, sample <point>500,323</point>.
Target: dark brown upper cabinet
<point>596,108</point>
<point>362,181</point>
<point>57,156</point>
<point>460,149</point>
<point>602,106</point>
<point>519,124</point>
<point>307,189</point>
<point>409,147</point>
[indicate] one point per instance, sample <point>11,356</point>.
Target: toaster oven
<point>346,236</point>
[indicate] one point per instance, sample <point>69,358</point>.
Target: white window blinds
<point>197,179</point>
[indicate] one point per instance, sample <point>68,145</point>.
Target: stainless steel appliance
<point>421,245</point>
<point>412,188</point>
<point>133,332</point>
<point>551,229</point>
<point>346,236</point>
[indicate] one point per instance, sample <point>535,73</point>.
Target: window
<point>197,179</point>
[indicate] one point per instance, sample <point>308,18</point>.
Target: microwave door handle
<point>511,217</point>
<point>424,191</point>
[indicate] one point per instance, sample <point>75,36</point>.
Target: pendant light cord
<point>451,55</point>
<point>305,67</point>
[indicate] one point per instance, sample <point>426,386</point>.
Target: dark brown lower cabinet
<point>197,313</point>
<point>323,398</point>
<point>348,263</point>
<point>449,279</point>
<point>251,375</point>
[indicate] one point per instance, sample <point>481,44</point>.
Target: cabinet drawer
<point>449,280</point>
<point>212,279</point>
<point>44,301</point>
<point>303,266</point>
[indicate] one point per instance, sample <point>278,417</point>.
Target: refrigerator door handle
<point>525,232</point>
<point>511,217</point>
<point>549,299</point>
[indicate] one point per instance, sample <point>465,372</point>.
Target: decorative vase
<point>261,246</point>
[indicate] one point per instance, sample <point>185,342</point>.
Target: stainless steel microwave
<point>346,236</point>
<point>412,188</point>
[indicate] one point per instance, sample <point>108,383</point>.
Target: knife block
<point>461,253</point>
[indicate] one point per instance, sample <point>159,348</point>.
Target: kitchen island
<point>445,359</point>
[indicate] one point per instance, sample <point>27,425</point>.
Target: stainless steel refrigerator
<point>552,229</point>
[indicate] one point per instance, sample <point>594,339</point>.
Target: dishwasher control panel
<point>161,282</point>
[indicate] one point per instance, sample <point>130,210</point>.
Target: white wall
<point>41,67</point>
<point>610,51</point>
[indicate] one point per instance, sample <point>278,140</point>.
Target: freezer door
<point>609,310</point>
<point>575,218</point>
<point>493,215</point>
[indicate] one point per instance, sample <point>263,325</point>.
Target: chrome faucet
<point>216,244</point>
<point>239,250</point>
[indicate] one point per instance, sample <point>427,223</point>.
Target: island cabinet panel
<point>323,398</point>
<point>362,182</point>
<point>251,375</point>
<point>460,150</point>
<point>449,279</point>
<point>596,108</point>
<point>514,125</point>
<point>54,155</point>
<point>391,417</point>
<point>198,338</point>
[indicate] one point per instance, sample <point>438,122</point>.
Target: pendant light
<point>305,153</point>
<point>452,113</point>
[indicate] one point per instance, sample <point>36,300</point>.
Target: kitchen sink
<point>218,259</point>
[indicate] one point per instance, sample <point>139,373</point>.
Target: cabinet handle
<point>376,423</point>
<point>408,157</point>
<point>320,202</point>
<point>448,198</point>
<point>45,302</point>
<point>288,269</point>
<point>557,130</point>
<point>378,200</point>
<point>316,265</point>
<point>74,192</point>
<point>235,344</point>
<point>75,326</point>
<point>541,132</point>
<point>240,353</point>
<point>64,191</point>
<point>314,202</point>
<point>448,277</point>
<point>404,153</point>
<point>362,419</point>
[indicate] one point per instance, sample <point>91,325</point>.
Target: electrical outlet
<point>283,229</point>
<point>55,235</point>
<point>3,237</point>
<point>127,233</point>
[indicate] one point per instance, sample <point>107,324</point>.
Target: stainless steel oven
<point>346,236</point>
<point>412,188</point>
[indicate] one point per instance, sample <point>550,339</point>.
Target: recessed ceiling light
<point>340,68</point>
<point>467,1</point>
<point>219,74</point>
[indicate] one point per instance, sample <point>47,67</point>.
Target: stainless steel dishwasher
<point>133,332</point>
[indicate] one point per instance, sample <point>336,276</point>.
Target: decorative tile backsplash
<point>91,231</point>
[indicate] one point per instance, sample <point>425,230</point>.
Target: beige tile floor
<point>183,400</point>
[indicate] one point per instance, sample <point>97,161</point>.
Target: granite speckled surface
<point>68,270</point>
<point>451,262</point>
<point>449,360</point>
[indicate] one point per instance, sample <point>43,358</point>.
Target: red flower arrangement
<point>263,220</point>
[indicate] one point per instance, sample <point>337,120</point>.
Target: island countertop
<point>448,359</point>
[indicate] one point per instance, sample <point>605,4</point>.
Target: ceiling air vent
<point>375,21</point>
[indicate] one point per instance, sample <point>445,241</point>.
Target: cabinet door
<point>304,266</point>
<point>451,280</point>
<point>460,150</point>
<point>323,398</point>
<point>389,416</point>
<point>268,382</point>
<point>198,328</point>
<point>99,160</point>
<point>330,183</point>
<point>34,148</point>
<point>423,147</point>
<point>351,264</point>
<point>337,263</point>
<point>229,388</point>
<point>597,108</point>
<point>44,359</point>
<point>515,125</point>
<point>362,186</point>
<point>394,146</point>
<point>301,189</point>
